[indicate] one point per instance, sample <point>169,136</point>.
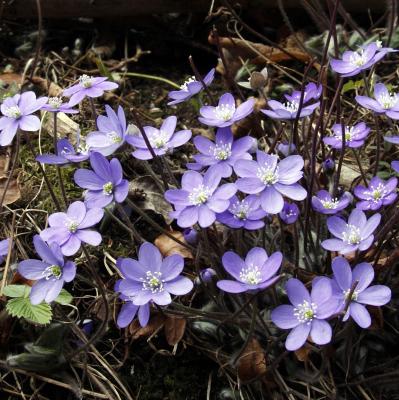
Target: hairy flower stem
<point>355,153</point>
<point>198,77</point>
<point>60,180</point>
<point>156,226</point>
<point>150,149</point>
<point>165,163</point>
<point>129,224</point>
<point>104,323</point>
<point>43,172</point>
<point>12,170</point>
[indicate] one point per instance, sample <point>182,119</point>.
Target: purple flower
<point>56,105</point>
<point>245,213</point>
<point>354,136</point>
<point>88,86</point>
<point>50,273</point>
<point>307,314</point>
<point>225,113</point>
<point>344,280</point>
<point>207,274</point>
<point>395,166</point>
<point>256,272</point>
<point>379,193</point>
<point>111,132</point>
<point>271,179</point>
<point>325,204</point>
<point>200,198</point>
<point>4,244</point>
<point>17,112</point>
<point>328,165</point>
<point>190,235</point>
<point>289,109</point>
<point>69,229</point>
<point>162,140</point>
<point>104,184</point>
<point>223,153</point>
<point>151,278</point>
<point>354,62</point>
<point>285,149</point>
<point>66,154</point>
<point>356,234</point>
<point>383,102</point>
<point>190,88</point>
<point>290,213</point>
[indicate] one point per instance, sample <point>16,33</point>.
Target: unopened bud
<point>258,80</point>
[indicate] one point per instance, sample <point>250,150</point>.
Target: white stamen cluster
<point>153,282</point>
<point>330,204</point>
<point>86,81</point>
<point>305,312</point>
<point>354,294</point>
<point>358,58</point>
<point>114,137</point>
<point>267,174</point>
<point>184,86</point>
<point>55,102</point>
<point>52,271</point>
<point>240,209</point>
<point>159,140</point>
<point>388,101</point>
<point>291,106</point>
<point>199,195</point>
<point>108,188</point>
<point>12,112</point>
<point>377,193</point>
<point>352,234</point>
<point>251,275</point>
<point>222,151</point>
<point>83,148</point>
<point>72,226</point>
<point>224,112</point>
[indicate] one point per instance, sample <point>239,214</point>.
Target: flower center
<point>240,209</point>
<point>199,195</point>
<point>72,226</point>
<point>352,234</point>
<point>224,111</point>
<point>55,102</point>
<point>291,106</point>
<point>388,100</point>
<point>52,271</point>
<point>330,204</point>
<point>222,151</point>
<point>357,59</point>
<point>159,140</point>
<point>379,43</point>
<point>153,282</point>
<point>108,188</point>
<point>267,174</point>
<point>83,148</point>
<point>184,86</point>
<point>305,312</point>
<point>114,137</point>
<point>12,112</point>
<point>354,294</point>
<point>86,81</point>
<point>251,275</point>
<point>377,193</point>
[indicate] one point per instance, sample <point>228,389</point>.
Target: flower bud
<point>290,213</point>
<point>258,80</point>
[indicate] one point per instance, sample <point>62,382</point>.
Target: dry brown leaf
<point>377,319</point>
<point>168,246</point>
<point>10,77</point>
<point>155,323</point>
<point>302,354</point>
<point>13,193</point>
<point>174,329</point>
<point>66,127</point>
<point>252,363</point>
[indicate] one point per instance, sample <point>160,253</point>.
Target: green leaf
<point>16,291</point>
<point>22,308</point>
<point>352,85</point>
<point>64,297</point>
<point>102,68</point>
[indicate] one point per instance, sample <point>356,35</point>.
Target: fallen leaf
<point>148,196</point>
<point>13,193</point>
<point>155,323</point>
<point>168,246</point>
<point>377,319</point>
<point>252,362</point>
<point>174,329</point>
<point>66,127</point>
<point>302,354</point>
